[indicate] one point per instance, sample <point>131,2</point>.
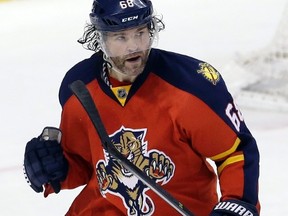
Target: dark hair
<point>90,37</point>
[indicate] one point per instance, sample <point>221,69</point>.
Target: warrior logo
<point>209,73</point>
<point>115,179</point>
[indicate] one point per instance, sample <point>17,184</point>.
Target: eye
<point>140,33</point>
<point>118,147</point>
<point>120,38</point>
<point>131,145</point>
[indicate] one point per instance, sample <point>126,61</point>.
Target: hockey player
<point>165,112</point>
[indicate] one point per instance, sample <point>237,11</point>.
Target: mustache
<point>134,54</point>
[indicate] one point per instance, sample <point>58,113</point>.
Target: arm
<point>238,172</point>
<point>220,133</point>
<point>76,146</point>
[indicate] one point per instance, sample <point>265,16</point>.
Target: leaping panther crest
<point>113,178</point>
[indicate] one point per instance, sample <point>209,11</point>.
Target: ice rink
<point>38,44</point>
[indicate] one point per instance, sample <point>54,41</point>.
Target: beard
<point>131,64</point>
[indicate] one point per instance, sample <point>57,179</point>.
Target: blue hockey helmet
<point>116,15</point>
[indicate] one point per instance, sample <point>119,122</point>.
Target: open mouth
<point>133,59</point>
<point>126,172</point>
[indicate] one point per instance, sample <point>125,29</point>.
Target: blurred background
<point>247,41</point>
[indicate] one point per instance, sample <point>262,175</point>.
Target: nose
<point>132,45</point>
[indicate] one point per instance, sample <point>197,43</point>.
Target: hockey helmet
<point>116,15</point>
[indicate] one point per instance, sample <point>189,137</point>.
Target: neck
<point>118,75</point>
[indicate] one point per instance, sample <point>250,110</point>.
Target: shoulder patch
<point>209,72</point>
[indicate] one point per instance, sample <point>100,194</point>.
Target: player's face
<point>129,49</point>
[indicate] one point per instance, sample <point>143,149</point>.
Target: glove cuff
<point>51,133</point>
<point>234,208</point>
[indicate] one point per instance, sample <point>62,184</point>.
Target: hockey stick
<point>81,92</point>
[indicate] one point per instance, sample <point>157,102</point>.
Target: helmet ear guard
<point>116,15</point>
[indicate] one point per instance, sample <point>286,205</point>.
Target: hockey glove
<point>234,208</point>
<point>44,162</point>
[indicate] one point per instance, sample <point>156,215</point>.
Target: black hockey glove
<point>234,208</point>
<point>44,162</point>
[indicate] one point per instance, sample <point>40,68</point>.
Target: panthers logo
<point>113,178</point>
<point>210,73</point>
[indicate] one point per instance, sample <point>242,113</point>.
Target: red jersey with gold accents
<point>174,117</point>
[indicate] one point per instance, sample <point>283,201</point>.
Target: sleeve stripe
<point>230,160</point>
<point>228,152</point>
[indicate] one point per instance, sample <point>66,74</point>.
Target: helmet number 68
<point>126,4</point>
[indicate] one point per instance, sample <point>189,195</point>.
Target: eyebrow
<point>122,32</point>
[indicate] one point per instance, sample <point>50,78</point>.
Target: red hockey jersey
<point>176,115</point>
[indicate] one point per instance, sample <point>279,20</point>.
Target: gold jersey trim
<point>121,93</point>
<point>230,160</point>
<point>228,152</point>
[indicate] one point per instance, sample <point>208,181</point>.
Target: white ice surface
<point>38,45</point>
